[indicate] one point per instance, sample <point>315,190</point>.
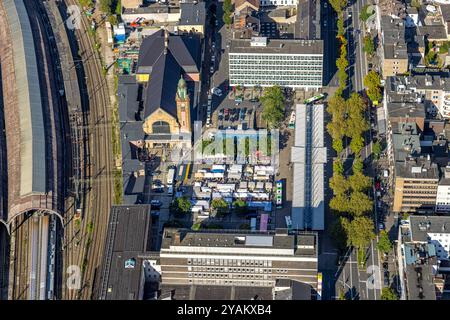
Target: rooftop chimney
<point>177,239</point>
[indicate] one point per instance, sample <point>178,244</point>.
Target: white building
<point>443,192</point>
<point>267,62</point>
<point>433,230</point>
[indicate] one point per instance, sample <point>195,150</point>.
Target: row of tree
<point>350,200</point>
<point>347,119</point>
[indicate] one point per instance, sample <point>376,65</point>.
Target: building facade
<point>416,183</point>
<point>394,55</point>
<point>267,62</point>
<point>443,192</point>
<point>225,258</point>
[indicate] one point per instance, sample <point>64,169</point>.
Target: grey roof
<point>279,46</point>
<point>128,98</point>
<point>417,168</point>
<point>235,239</point>
<point>162,87</point>
<point>185,50</point>
<point>445,9</point>
<point>420,282</point>
<point>406,109</point>
<point>308,185</point>
<point>405,146</point>
<point>420,226</point>
<point>402,84</point>
<point>304,26</point>
<point>192,13</point>
<point>127,237</point>
<point>393,38</point>
<point>32,133</point>
<point>182,56</point>
<point>435,32</point>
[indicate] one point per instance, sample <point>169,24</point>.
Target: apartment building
<point>416,183</point>
<point>443,192</point>
<point>433,90</point>
<point>260,61</point>
<point>395,56</point>
<point>237,258</point>
<point>423,257</point>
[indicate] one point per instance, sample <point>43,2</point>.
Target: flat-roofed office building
<point>267,62</point>
<point>237,258</point>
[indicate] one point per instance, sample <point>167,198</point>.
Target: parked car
<point>381,226</point>
<point>216,91</point>
<point>155,204</point>
<point>211,69</point>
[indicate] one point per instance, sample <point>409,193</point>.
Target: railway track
<point>95,222</point>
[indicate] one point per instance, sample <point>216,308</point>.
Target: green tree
<point>220,205</point>
<point>384,244</point>
<point>226,19</point>
<point>227,5</point>
<point>273,106</point>
<point>227,9</point>
<point>359,182</point>
<point>340,26</point>
<point>372,82</point>
<point>240,206</point>
<point>338,5</point>
<point>180,205</point>
<point>338,146</point>
<point>357,144</point>
<point>359,232</point>
<point>338,234</point>
<point>196,226</point>
<point>339,184</point>
<point>359,203</point>
<point>366,12</point>
<point>112,19</point>
<point>369,46</point>
<point>336,128</point>
<point>338,167</point>
<point>339,203</point>
<point>356,123</point>
<point>106,6</point>
<point>358,165</point>
<point>416,3</point>
<point>86,3</point>
<point>376,149</point>
<point>118,10</point>
<point>388,294</point>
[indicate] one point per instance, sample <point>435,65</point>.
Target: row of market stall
<point>251,184</point>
